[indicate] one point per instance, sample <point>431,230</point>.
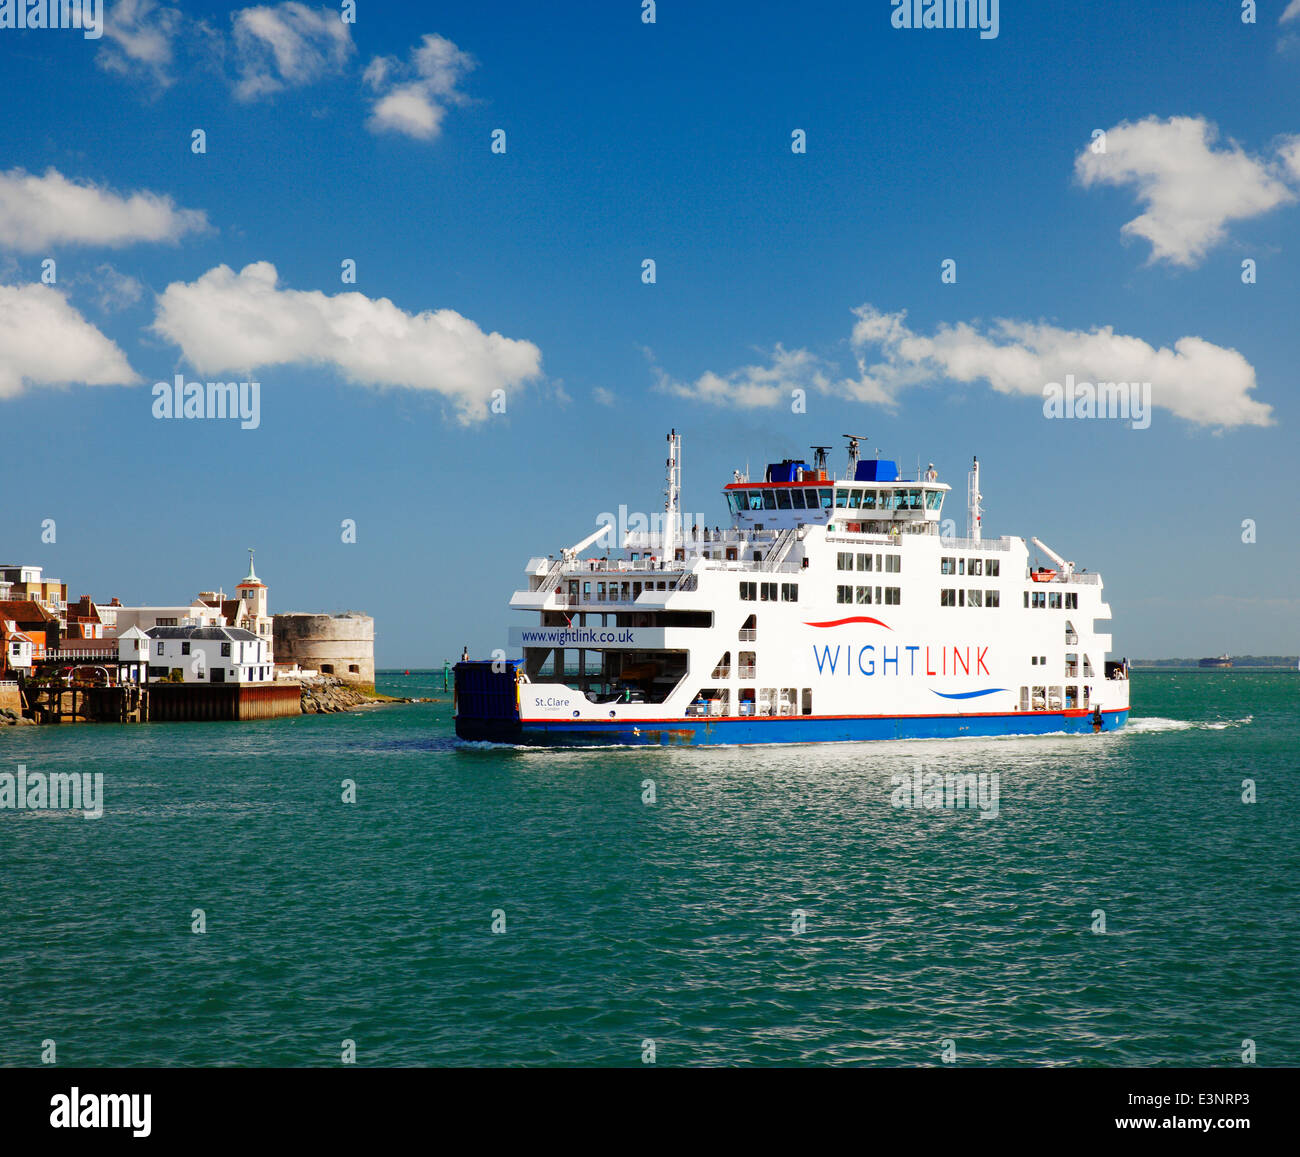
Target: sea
<point>361,887</point>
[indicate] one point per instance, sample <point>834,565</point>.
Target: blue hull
<point>780,729</point>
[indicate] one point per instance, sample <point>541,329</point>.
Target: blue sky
<point>628,141</point>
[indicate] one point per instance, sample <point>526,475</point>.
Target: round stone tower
<point>340,646</point>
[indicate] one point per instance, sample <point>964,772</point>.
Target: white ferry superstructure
<point>830,609</point>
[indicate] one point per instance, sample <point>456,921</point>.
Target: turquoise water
<point>671,921</point>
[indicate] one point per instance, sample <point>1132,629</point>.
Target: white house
<point>204,654</point>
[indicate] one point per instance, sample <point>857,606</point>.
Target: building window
<point>354,669</point>
<point>185,648</point>
<point>160,648</point>
<point>327,668</point>
<point>225,650</point>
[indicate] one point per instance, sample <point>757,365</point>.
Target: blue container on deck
<point>785,471</point>
<point>876,470</point>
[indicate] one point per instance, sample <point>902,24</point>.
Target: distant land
<point>1288,661</point>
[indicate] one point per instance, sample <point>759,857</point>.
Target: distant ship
<point>1221,662</point>
<point>830,609</point>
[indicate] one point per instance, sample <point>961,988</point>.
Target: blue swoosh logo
<point>968,694</point>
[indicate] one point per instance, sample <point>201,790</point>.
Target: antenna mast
<point>672,494</point>
<point>974,512</point>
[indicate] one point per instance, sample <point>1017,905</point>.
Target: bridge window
<point>783,501</point>
<point>796,496</point>
<point>868,500</point>
<point>933,499</point>
<point>827,497</point>
<point>769,500</point>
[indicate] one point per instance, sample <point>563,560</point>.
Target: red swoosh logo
<point>851,619</point>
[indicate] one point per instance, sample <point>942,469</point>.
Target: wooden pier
<point>163,702</point>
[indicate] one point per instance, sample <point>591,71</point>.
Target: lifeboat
<point>1042,575</point>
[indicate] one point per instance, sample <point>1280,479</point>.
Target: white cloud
<point>1291,12</point>
<point>754,386</point>
<point>1189,188</point>
<point>37,212</point>
<point>287,46</point>
<point>139,40</point>
<point>603,397</point>
<point>227,321</point>
<point>47,342</point>
<point>110,289</point>
<point>1196,380</point>
<point>413,98</point>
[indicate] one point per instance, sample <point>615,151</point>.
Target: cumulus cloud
<point>287,46</point>
<point>412,98</point>
<point>1188,185</point>
<point>753,386</point>
<point>603,397</point>
<point>1197,380</point>
<point>37,212</point>
<point>44,341</point>
<point>227,321</point>
<point>138,42</point>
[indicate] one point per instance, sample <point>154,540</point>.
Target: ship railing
<point>748,636</point>
<point>745,671</point>
<point>975,543</point>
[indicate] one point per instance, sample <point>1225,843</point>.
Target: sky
<point>423,233</point>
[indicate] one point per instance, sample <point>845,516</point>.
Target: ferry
<point>829,609</point>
